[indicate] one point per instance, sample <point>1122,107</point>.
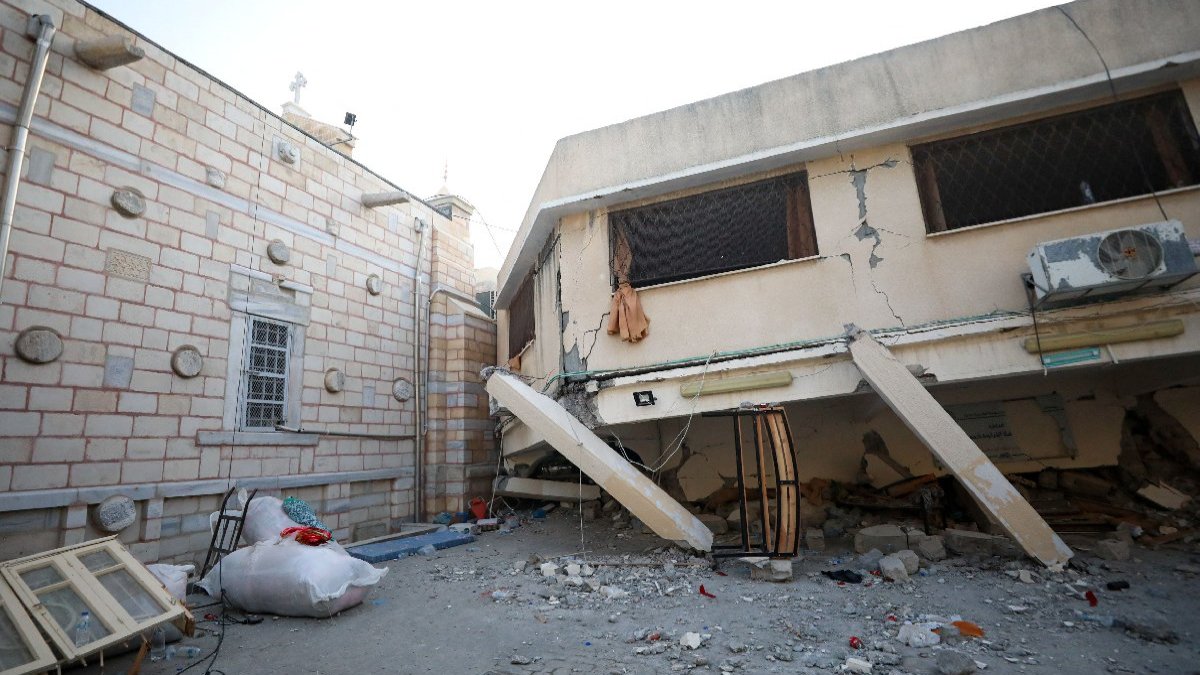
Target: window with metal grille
<point>521,326</point>
<point>1111,152</point>
<point>265,374</point>
<point>711,232</point>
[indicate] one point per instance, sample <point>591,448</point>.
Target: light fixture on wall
<point>644,398</point>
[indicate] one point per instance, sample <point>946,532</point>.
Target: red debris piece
<point>706,593</point>
<point>720,573</point>
<point>1091,598</point>
<point>892,617</point>
<point>855,643</point>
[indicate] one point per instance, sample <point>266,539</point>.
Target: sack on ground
<point>290,579</point>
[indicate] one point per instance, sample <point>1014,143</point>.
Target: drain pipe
<point>41,27</point>
<point>418,374</point>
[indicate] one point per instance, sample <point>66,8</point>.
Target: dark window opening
<point>521,327</point>
<point>712,232</point>
<point>1112,152</point>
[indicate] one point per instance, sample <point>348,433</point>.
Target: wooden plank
<point>765,511</point>
<point>785,470</point>
<point>922,414</point>
<point>654,507</point>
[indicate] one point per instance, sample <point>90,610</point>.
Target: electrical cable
<point>1113,89</point>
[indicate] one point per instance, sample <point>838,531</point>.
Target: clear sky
<point>490,86</point>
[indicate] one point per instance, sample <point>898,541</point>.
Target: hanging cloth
<point>625,316</point>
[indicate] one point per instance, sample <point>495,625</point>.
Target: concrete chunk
<point>1113,549</point>
<point>892,567</point>
<point>965,542</point>
<point>932,549</point>
<point>911,562</point>
<point>886,538</point>
<point>772,570</point>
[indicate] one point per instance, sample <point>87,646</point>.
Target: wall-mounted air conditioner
<point>1142,257</point>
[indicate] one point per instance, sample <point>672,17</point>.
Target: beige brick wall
<point>64,425</point>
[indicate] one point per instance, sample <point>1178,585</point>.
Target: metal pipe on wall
<point>43,27</point>
<point>419,445</point>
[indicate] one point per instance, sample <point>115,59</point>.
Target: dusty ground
<point>439,615</point>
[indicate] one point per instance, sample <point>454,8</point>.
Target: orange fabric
<point>626,316</point>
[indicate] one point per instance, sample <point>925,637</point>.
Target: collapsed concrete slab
<point>921,413</point>
<point>645,500</point>
<point>553,490</point>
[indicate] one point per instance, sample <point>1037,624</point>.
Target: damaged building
<point>199,293</point>
<point>1008,213</point>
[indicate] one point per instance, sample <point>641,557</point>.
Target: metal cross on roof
<point>296,85</point>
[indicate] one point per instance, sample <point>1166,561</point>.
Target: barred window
<point>1111,152</point>
<point>521,326</point>
<point>265,374</point>
<point>712,232</point>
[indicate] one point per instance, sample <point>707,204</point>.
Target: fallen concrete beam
<point>662,514</point>
<point>536,488</point>
<point>905,394</point>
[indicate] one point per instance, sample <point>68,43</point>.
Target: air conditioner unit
<point>1142,257</point>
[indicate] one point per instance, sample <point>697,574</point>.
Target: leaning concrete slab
<point>536,488</point>
<point>905,394</point>
<point>577,443</point>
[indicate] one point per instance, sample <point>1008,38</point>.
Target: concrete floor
<point>438,615</point>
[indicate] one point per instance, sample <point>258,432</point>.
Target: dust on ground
<point>476,609</point>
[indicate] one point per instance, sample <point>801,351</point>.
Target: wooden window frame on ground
<point>26,632</point>
<point>104,607</point>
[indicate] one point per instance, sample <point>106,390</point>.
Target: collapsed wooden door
<point>780,535</point>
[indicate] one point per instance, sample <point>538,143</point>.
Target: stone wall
<point>215,179</point>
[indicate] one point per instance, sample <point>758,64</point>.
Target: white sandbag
<point>291,579</point>
<point>173,577</point>
<point>265,519</point>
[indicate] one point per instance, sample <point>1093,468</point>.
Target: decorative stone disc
<point>402,389</point>
<point>187,361</point>
<point>115,513</point>
<point>278,252</point>
<point>38,344</point>
<point>374,284</point>
<point>128,202</point>
<point>335,380</point>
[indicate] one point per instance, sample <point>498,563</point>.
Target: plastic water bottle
<point>158,644</point>
<point>83,629</point>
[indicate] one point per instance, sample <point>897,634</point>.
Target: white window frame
<point>27,633</point>
<point>244,400</point>
<point>104,608</point>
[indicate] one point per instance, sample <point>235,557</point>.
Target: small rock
<point>1113,549</point>
<point>716,523</point>
<point>1027,577</point>
<point>950,662</point>
<point>870,560</point>
<point>772,570</point>
<point>856,665</point>
<point>690,641</point>
<point>518,660</point>
<point>893,568</point>
<point>814,539</point>
<point>520,566</point>
<point>573,569</point>
<point>738,647</point>
<point>911,562</point>
<point>549,569</point>
<point>613,593</point>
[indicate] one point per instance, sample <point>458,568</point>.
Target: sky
<point>486,88</point>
